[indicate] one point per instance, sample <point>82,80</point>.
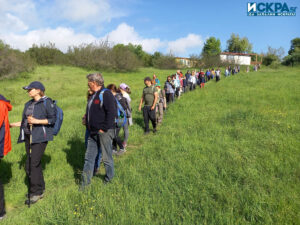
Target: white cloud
<point>91,11</point>
<point>10,23</point>
<point>182,45</point>
<point>61,37</point>
<point>125,34</point>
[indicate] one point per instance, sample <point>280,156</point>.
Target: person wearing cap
<point>149,97</point>
<point>38,119</point>
<point>125,91</point>
<point>161,103</point>
<point>5,142</point>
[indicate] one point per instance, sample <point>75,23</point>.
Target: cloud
<point>12,23</point>
<point>87,11</point>
<point>62,38</point>
<point>125,34</point>
<point>182,45</point>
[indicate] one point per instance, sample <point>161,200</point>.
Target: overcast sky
<point>180,27</point>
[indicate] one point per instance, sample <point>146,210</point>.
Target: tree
<point>273,56</point>
<point>294,53</point>
<point>212,47</point>
<point>238,45</point>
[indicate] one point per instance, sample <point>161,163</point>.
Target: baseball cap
<point>35,85</point>
<point>123,86</point>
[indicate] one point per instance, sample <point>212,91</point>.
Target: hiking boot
<point>146,132</point>
<point>33,199</point>
<point>154,130</point>
<point>114,152</point>
<point>121,152</point>
<point>26,195</point>
<point>2,217</point>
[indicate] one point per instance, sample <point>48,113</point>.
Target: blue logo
<point>270,9</point>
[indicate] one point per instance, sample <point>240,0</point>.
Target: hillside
<point>228,154</point>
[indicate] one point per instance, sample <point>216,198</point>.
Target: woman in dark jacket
<point>39,116</point>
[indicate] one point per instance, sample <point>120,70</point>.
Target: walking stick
<point>29,172</point>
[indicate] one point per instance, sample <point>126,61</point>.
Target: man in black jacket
<point>100,121</point>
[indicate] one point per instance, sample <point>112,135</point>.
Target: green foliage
<point>162,61</point>
<point>227,154</point>
<point>47,54</point>
<point>273,56</point>
<point>212,47</point>
<point>13,62</point>
<point>294,53</point>
<point>239,45</point>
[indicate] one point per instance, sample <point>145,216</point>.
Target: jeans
<point>98,157</point>
<point>149,114</point>
<point>103,140</point>
<point>160,110</point>
<point>2,203</point>
<point>34,169</point>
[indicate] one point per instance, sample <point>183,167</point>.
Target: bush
<point>47,54</point>
<point>164,61</point>
<point>13,62</point>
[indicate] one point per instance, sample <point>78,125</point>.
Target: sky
<point>179,27</point>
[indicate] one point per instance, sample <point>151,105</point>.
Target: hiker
<point>207,73</point>
<point>100,121</point>
<point>5,143</point>
<point>117,140</point>
<point>227,72</point>
<point>36,129</point>
<point>193,81</point>
<point>87,134</point>
<point>187,78</point>
<point>169,90</point>
<point>154,80</point>
<point>149,97</point>
<point>161,103</point>
<point>125,91</point>
<point>218,75</point>
<point>177,83</point>
<point>202,78</point>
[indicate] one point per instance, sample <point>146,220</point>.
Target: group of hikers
<point>108,111</point>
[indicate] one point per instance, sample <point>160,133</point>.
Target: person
<point>100,121</point>
<point>87,134</point>
<point>169,90</point>
<point>193,81</point>
<point>125,91</point>
<point>117,140</point>
<point>176,79</point>
<point>187,78</point>
<point>218,75</point>
<point>207,73</point>
<point>202,79</point>
<point>5,143</point>
<point>36,130</point>
<point>226,72</point>
<point>161,103</point>
<point>149,97</point>
<point>154,80</point>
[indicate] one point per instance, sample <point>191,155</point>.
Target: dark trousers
<point>37,183</point>
<point>117,140</point>
<point>170,97</point>
<point>149,114</point>
<point>2,202</point>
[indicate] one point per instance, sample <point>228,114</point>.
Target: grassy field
<point>228,154</point>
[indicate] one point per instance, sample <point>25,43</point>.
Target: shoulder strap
<point>101,96</point>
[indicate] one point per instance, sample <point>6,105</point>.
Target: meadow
<point>225,154</point>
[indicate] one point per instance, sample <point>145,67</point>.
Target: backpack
<point>121,119</point>
<point>59,117</point>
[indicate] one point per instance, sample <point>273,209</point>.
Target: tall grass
<point>227,154</point>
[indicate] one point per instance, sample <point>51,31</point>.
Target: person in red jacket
<point>5,142</point>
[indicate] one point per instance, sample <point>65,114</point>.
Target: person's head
<point>147,81</point>
<point>35,89</point>
<point>95,81</point>
<point>125,87</point>
<point>169,78</point>
<point>154,76</point>
<point>178,71</point>
<point>113,88</point>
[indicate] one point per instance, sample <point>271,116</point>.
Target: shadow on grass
<point>5,171</point>
<point>75,155</point>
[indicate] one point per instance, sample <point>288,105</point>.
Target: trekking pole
<point>29,172</point>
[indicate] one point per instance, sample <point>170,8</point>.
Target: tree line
<point>124,58</point>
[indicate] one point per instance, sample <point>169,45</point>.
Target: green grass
<point>228,154</point>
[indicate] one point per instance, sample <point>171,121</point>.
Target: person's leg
<point>118,139</point>
<point>146,118</point>
<point>37,183</point>
<point>152,117</point>
<point>126,133</point>
<point>2,202</point>
<point>106,146</point>
<point>161,112</point>
<point>89,159</point>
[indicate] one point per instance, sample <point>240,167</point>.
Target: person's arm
<point>155,100</point>
<point>32,120</point>
<point>141,103</point>
<point>110,107</point>
<point>16,124</point>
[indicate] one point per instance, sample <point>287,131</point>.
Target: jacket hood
<point>6,102</point>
